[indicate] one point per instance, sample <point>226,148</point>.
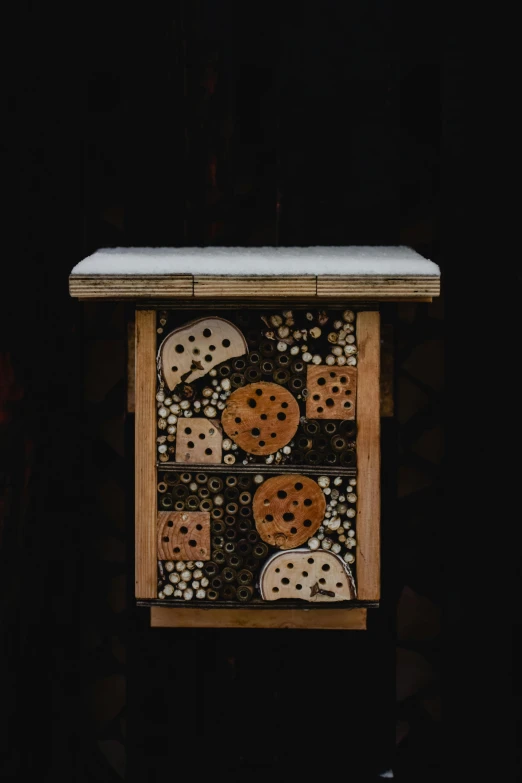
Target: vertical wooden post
<point>368,456</point>
<point>145,455</point>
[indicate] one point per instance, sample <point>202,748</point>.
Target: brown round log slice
<point>261,417</point>
<point>288,510</point>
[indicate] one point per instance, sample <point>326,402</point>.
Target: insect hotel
<point>257,426</point>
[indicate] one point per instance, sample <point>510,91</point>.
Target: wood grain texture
<point>420,288</point>
<point>288,509</point>
<point>183,535</point>
<point>261,417</point>
<point>198,440</point>
<point>368,457</point>
<point>316,577</point>
<point>325,619</point>
<point>254,286</point>
<point>332,392</point>
<point>130,286</point>
<point>377,287</point>
<point>191,351</point>
<point>145,455</point>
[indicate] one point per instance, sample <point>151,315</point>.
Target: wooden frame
<point>368,492</point>
<point>145,456</point>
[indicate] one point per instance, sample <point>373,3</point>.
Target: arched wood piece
<point>261,417</point>
<point>195,348</point>
<point>183,535</point>
<point>316,577</point>
<point>288,510</point>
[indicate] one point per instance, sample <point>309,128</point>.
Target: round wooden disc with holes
<point>261,417</point>
<point>288,510</point>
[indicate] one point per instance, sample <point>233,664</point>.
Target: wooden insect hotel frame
<point>257,427</point>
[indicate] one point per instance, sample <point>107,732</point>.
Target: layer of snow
<point>355,260</point>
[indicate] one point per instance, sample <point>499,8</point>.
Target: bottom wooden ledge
<point>340,619</point>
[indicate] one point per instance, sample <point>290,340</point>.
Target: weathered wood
<point>198,440</point>
<point>145,455</point>
<point>327,619</point>
<point>255,286</point>
<point>183,535</point>
<point>130,286</point>
<point>261,417</point>
<point>368,457</point>
<point>378,287</point>
<point>318,576</point>
<point>191,351</point>
<point>332,392</point>
<point>288,509</point>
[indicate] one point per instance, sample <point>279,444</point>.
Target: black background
<point>329,123</point>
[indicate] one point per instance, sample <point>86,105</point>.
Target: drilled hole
<point>310,560</point>
<point>180,348</point>
<point>322,581</point>
<point>269,518</point>
<point>192,542</point>
<point>211,347</point>
<point>321,381</point>
<point>272,398</point>
<point>207,333</point>
<point>339,584</point>
<point>285,580</point>
<point>190,444</point>
<point>174,369</point>
<point>202,436</point>
<point>281,494</point>
<point>264,416</point>
<point>307,523</point>
<point>208,358</point>
<point>299,587</point>
<point>307,502</point>
<point>320,409</point>
<point>290,565</point>
<point>177,550</point>
<point>166,539</point>
<point>237,420</point>
<point>261,442</point>
<point>188,431</point>
<point>256,432</point>
<point>298,485</point>
<point>330,403</point>
<point>316,397</point>
<point>183,530</point>
<point>333,375</point>
<point>325,567</point>
<point>284,405</point>
<point>277,570</point>
<point>288,516</point>
<point>191,338</point>
<point>199,527</point>
<point>252,403</point>
<point>259,392</point>
<point>344,379</point>
<point>196,351</point>
<point>305,573</point>
<point>225,343</point>
<point>208,452</point>
<point>170,523</point>
<point>275,589</point>
<point>348,391</point>
<point>347,404</point>
<point>293,530</point>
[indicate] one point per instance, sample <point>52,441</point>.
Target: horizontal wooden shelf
<point>342,273</point>
<point>327,619</point>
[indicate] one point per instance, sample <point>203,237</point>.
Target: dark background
<point>200,123</point>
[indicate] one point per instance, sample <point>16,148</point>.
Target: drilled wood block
<point>332,392</point>
<point>288,510</point>
<point>199,441</point>
<point>311,576</point>
<point>183,535</point>
<point>195,348</point>
<point>261,417</point>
